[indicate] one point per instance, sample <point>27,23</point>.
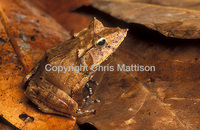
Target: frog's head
<point>98,42</point>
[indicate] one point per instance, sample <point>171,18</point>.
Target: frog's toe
<point>31,92</point>
<point>89,89</point>
<point>90,103</point>
<point>90,92</point>
<point>86,112</point>
<point>93,102</point>
<point>87,85</point>
<point>93,81</point>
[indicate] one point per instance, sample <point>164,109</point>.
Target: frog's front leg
<point>87,85</point>
<point>50,99</point>
<point>77,96</point>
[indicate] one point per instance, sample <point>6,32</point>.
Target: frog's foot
<point>51,99</point>
<point>85,113</point>
<point>46,109</point>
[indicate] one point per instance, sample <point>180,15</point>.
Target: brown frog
<point>60,92</point>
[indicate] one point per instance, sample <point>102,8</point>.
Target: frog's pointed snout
<point>123,32</point>
<point>119,38</point>
<point>111,40</point>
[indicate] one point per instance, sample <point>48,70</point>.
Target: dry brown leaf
<point>62,11</point>
<point>170,21</point>
<point>165,99</point>
<point>31,31</point>
<point>189,4</point>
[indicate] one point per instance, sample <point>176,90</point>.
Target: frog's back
<point>63,55</point>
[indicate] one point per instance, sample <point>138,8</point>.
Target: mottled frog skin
<point>61,93</point>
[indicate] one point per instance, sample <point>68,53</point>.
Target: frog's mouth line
<point>110,50</point>
<point>86,51</point>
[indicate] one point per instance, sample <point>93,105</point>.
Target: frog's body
<point>61,93</point>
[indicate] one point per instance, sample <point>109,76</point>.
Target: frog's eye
<point>101,42</point>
